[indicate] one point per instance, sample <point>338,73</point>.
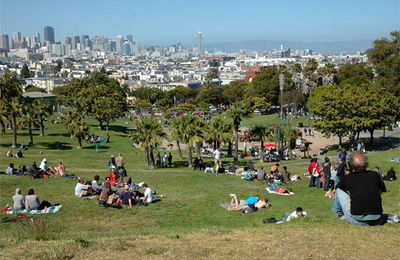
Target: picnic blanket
<point>49,210</point>
<point>277,193</point>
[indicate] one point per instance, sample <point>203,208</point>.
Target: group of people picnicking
<point>29,202</point>
<point>114,192</point>
<point>44,170</point>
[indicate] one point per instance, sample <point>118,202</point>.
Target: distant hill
<point>345,47</point>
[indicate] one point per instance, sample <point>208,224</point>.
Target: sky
<point>162,22</point>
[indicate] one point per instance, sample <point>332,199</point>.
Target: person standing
<point>326,169</point>
<point>217,156</point>
<point>120,162</point>
<point>170,160</point>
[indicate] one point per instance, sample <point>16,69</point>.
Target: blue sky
<point>172,21</point>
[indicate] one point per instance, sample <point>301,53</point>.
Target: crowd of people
<point>44,170</point>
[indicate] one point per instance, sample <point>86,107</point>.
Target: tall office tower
<point>85,41</point>
<point>38,37</point>
<point>17,37</point>
<point>200,43</point>
<point>33,42</point>
<point>67,40</point>
<point>48,34</point>
<point>129,37</point>
<point>127,48</point>
<point>74,42</point>
<point>120,43</point>
<point>4,42</point>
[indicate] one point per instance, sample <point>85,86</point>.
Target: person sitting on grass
<point>96,186</point>
<point>286,175</point>
<point>34,171</point>
<point>32,201</point>
<point>148,195</point>
<point>247,175</point>
<point>19,154</point>
<point>83,190</point>
<point>390,175</point>
<point>232,169</point>
<point>11,170</point>
<point>126,197</point>
<point>18,199</point>
<point>261,174</point>
<point>358,195</point>
<point>105,192</point>
<point>221,169</point>
<point>46,169</point>
<point>60,170</point>
<point>252,203</point>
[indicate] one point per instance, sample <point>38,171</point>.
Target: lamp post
<point>281,82</point>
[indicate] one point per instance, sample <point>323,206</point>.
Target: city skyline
<point>156,22</point>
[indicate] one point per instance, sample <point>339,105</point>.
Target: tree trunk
<point>235,155</point>
<point>262,151</point>
<point>198,152</point>
<point>229,149</point>
<point>3,127</point>
<point>14,127</point>
<point>79,142</point>
<point>179,150</point>
<point>371,140</point>
<point>146,156</point>
<point>30,135</point>
<point>358,136</point>
<point>101,124</point>
<point>189,159</point>
<point>340,141</point>
<point>151,165</point>
<point>42,126</point>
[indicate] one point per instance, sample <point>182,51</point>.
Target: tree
<point>4,115</point>
<point>266,84</point>
<point>328,74</point>
<point>15,111</point>
<point>218,131</point>
<point>260,103</point>
<point>149,133</point>
<point>25,72</point>
<point>385,57</point>
<point>29,120</point>
<point>212,73</point>
<point>211,95</point>
<point>76,126</point>
<point>57,68</point>
<point>10,86</point>
<point>310,72</point>
<point>33,88</point>
<point>236,112</point>
<point>234,91</point>
<point>42,110</point>
<point>259,133</point>
<point>176,134</point>
<point>191,133</point>
<point>355,74</point>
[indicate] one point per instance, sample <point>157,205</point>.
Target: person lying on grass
<point>298,213</point>
<point>253,203</point>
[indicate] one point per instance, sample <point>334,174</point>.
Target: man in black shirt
<point>364,204</point>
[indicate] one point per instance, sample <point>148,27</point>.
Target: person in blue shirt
<point>253,202</point>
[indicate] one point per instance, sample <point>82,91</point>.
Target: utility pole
<point>281,82</point>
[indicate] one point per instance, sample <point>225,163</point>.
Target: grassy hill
<point>188,223</point>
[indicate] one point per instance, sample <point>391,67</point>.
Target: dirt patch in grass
<point>268,242</point>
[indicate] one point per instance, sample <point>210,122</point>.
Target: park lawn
<point>188,223</point>
<point>272,119</point>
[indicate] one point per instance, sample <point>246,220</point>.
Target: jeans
<point>312,181</point>
<point>326,183</point>
<point>344,202</point>
<point>319,182</point>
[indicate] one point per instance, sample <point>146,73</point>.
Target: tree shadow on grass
<point>55,145</point>
<point>92,147</point>
<point>58,134</point>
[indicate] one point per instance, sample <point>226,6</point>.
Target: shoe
<point>396,218</point>
<point>342,217</point>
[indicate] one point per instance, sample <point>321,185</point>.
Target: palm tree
<point>236,112</point>
<point>10,86</point>
<point>29,120</point>
<point>76,126</point>
<point>42,110</point>
<point>260,133</point>
<point>310,73</point>
<point>4,115</point>
<point>191,133</point>
<point>176,134</point>
<point>218,131</point>
<point>15,111</point>
<point>328,74</point>
<point>149,133</point>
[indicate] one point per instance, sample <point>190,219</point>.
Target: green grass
<point>189,216</point>
<point>272,119</point>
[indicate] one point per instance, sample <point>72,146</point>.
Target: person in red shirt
<point>113,175</point>
<point>315,173</point>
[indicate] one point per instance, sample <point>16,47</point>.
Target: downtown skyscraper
<point>200,47</point>
<point>48,34</point>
